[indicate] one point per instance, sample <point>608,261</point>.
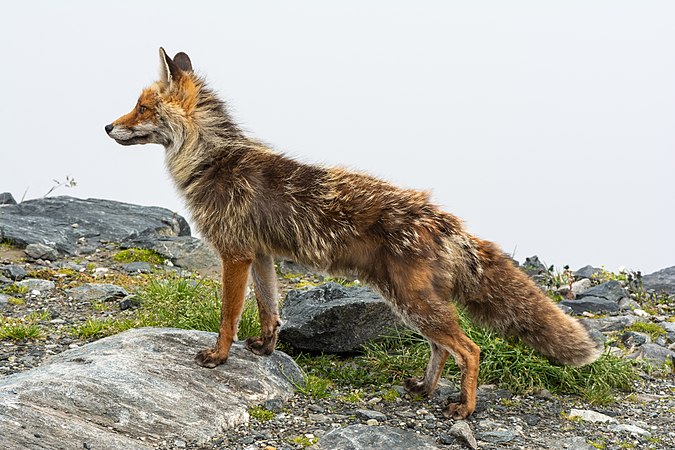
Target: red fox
<point>252,203</point>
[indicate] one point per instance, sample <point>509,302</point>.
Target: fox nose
<point>109,128</point>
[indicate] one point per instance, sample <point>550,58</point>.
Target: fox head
<point>162,108</point>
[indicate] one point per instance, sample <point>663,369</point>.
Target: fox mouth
<point>143,139</point>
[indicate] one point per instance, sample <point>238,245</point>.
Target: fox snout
<point>109,128</point>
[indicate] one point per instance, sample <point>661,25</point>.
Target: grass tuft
<point>260,413</point>
<point>20,329</point>
<point>138,255</point>
<point>652,329</point>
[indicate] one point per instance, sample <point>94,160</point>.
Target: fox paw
<point>260,346</point>
<point>209,358</point>
<point>416,386</point>
<point>457,411</point>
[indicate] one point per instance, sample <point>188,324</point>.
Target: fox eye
<point>141,109</point>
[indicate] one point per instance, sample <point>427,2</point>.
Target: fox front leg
<point>265,285</point>
<point>235,278</point>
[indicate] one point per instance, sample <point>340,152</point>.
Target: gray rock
<point>591,304</point>
<point>140,384</point>
<point>49,221</point>
<point>632,429</point>
<point>137,267</point>
<point>183,251</point>
<point>37,284</point>
<point>532,266</point>
<point>93,292</point>
<point>662,281</point>
<point>41,251</point>
<point>670,329</point>
<point>7,199</point>
<point>16,273</point>
<point>572,443</point>
<point>461,430</point>
<point>627,303</point>
<point>334,318</point>
<point>610,290</point>
<point>654,353</point>
<point>366,414</point>
<point>128,302</point>
<point>635,339</point>
<point>612,323</point>
<point>586,272</point>
<point>496,436</point>
<point>4,300</point>
<point>363,437</point>
<point>591,416</point>
<point>581,286</point>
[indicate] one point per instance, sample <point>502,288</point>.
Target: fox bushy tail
<point>508,301</point>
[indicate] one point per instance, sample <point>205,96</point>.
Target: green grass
<point>190,304</point>
<point>6,244</point>
<point>98,328</point>
<point>14,289</point>
<point>260,413</point>
<point>652,329</point>
<point>304,441</point>
<point>20,329</point>
<point>138,255</point>
<point>315,387</point>
<point>504,362</point>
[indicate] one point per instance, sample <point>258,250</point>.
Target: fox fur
<point>252,203</point>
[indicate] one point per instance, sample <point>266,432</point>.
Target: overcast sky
<point>549,127</point>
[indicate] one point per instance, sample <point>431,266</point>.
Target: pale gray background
<point>548,126</point>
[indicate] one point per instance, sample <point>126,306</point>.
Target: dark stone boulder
<point>662,281</point>
<point>7,199</point>
<point>333,318</point>
<point>586,272</point>
<point>14,272</point>
<point>591,304</point>
<point>71,225</point>
<point>610,290</point>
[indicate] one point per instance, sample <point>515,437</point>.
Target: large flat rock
<point>136,389</point>
<point>70,224</point>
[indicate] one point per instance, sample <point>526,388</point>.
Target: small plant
<point>15,301</point>
<point>601,444</point>
<point>5,244</point>
<point>260,413</point>
<point>19,329</point>
<point>138,255</point>
<point>353,397</point>
<point>69,183</point>
<point>315,387</point>
<point>14,289</point>
<point>390,395</point>
<point>305,441</point>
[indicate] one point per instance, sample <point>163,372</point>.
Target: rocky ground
<point>45,289</point>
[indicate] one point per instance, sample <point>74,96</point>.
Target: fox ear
<point>168,70</point>
<point>183,62</point>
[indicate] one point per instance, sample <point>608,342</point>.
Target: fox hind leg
<point>265,285</point>
<point>437,320</point>
<point>426,385</point>
<point>235,278</point>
